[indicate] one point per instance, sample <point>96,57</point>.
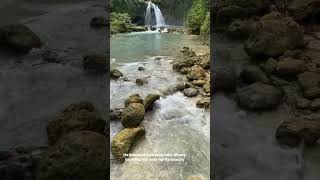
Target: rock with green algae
<point>124,141</point>
<point>149,100</point>
<point>81,155</point>
<point>141,82</point>
<point>196,73</point>
<point>133,115</point>
<point>75,117</point>
<point>203,103</point>
<point>134,98</point>
<point>115,74</point>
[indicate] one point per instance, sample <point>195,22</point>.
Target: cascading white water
<point>153,11</point>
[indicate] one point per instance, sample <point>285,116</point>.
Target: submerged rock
<point>273,36</point>
<point>96,63</point>
<point>203,103</point>
<point>134,98</point>
<point>124,141</point>
<point>293,133</point>
<point>259,96</point>
<point>133,115</point>
<point>19,38</point>
<point>115,74</point>
<point>81,155</point>
<point>141,82</point>
<point>140,68</point>
<point>76,117</point>
<point>149,100</point>
<point>310,84</point>
<point>190,92</point>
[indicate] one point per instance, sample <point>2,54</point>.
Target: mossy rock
<point>133,115</point>
<point>134,98</point>
<point>124,141</point>
<point>81,155</point>
<point>149,100</point>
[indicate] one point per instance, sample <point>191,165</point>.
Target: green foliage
<point>120,22</point>
<point>197,15</point>
<point>134,8</point>
<point>205,29</point>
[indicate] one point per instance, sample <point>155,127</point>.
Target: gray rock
<point>190,92</point>
<point>252,73</point>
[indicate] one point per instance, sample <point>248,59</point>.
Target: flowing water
<point>174,125</point>
<point>153,12</point>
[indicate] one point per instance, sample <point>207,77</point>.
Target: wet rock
<point>273,37</point>
<point>196,72</point>
<point>124,141</point>
<point>96,63</point>
<point>81,155</point>
<point>270,65</point>
<point>226,15</point>
<point>18,38</point>
<point>259,96</point>
<point>303,103</point>
<point>315,104</point>
<point>141,82</point>
<point>180,86</point>
<point>115,114</point>
<point>190,92</point>
<point>290,67</point>
<point>149,100</point>
<point>240,29</point>
<point>251,7</point>
<point>205,61</point>
<point>199,82</point>
<point>134,98</point>
<point>51,56</point>
<point>184,70</point>
<point>206,87</point>
<point>99,22</point>
<point>187,58</point>
<point>189,85</point>
<point>305,11</point>
<point>224,79</point>
<point>203,103</point>
<point>292,133</point>
<point>140,68</point>
<point>115,74</point>
<point>252,73</point>
<point>310,84</point>
<point>138,29</point>
<point>133,115</point>
<point>76,117</point>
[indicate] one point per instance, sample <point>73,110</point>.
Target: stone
<point>141,82</point>
<point>293,132</point>
<point>115,114</point>
<point>50,56</point>
<point>203,103</point>
<point>115,74</point>
<point>190,92</point>
<point>315,104</point>
<point>290,67</point>
<point>19,38</point>
<point>134,98</point>
<point>123,142</point>
<point>227,15</point>
<point>252,73</point>
<point>81,155</point>
<point>206,87</point>
<point>149,100</point>
<point>96,63</point>
<point>240,29</point>
<point>196,72</point>
<point>273,37</point>
<point>305,11</point>
<point>310,84</point>
<point>140,68</point>
<point>224,79</point>
<point>199,82</point>
<point>133,115</point>
<point>76,117</point>
<point>270,65</point>
<point>259,96</point>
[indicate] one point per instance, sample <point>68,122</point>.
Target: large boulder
<point>96,63</point>
<point>305,11</point>
<point>293,133</point>
<point>259,96</point>
<point>273,36</point>
<point>123,142</point>
<point>196,72</point>
<point>134,98</point>
<point>310,84</point>
<point>75,117</point>
<point>81,155</point>
<point>253,73</point>
<point>19,38</point>
<point>133,115</point>
<point>149,100</point>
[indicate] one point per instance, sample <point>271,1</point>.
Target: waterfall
<point>153,11</point>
